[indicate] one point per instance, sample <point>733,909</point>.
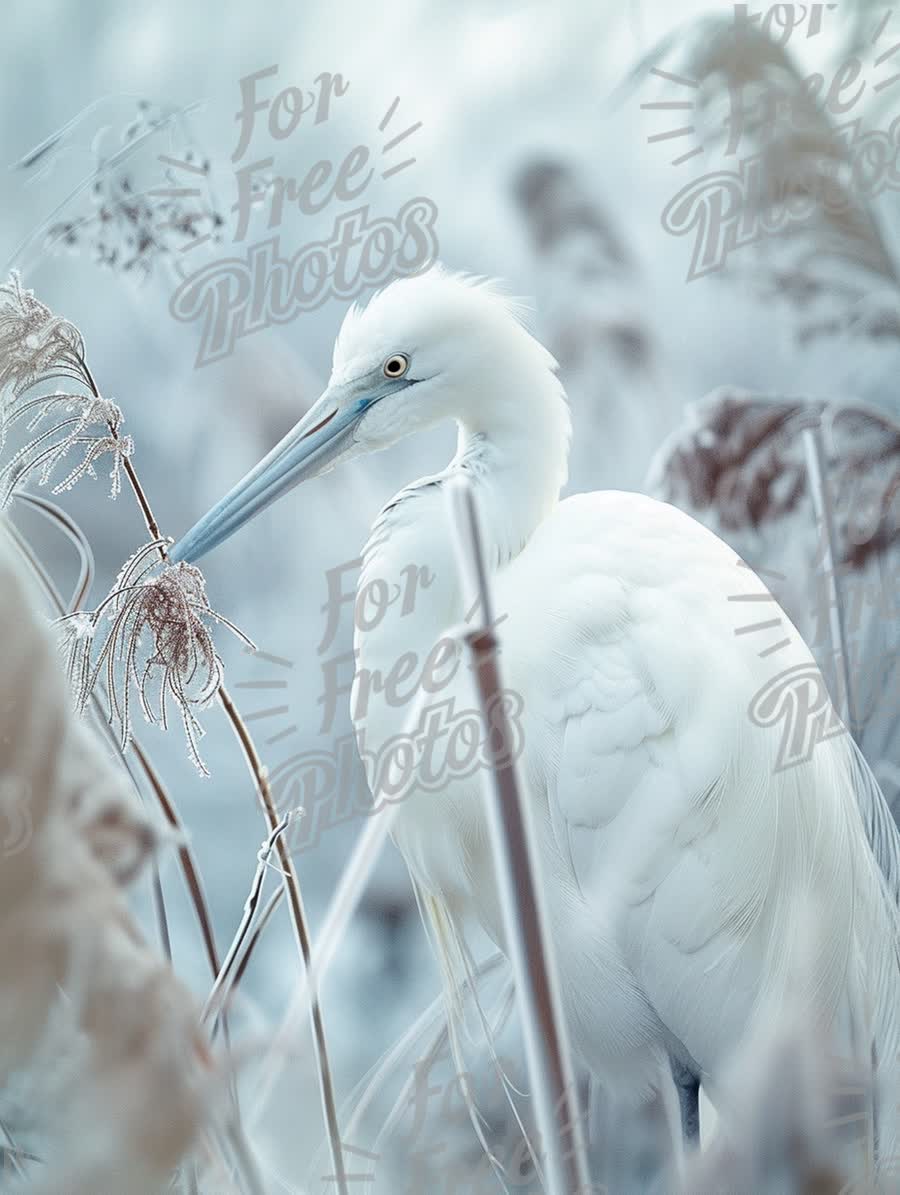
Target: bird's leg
<point>687,1085</point>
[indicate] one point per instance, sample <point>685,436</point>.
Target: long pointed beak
<point>304,452</point>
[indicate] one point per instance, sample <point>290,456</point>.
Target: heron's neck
<point>516,453</point>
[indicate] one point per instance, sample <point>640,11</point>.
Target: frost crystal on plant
<point>45,451</point>
<point>149,635</point>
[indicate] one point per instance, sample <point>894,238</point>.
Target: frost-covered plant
<point>163,605</point>
<point>155,618</point>
<point>38,347</point>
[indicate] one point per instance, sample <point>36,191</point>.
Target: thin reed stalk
<point>186,859</point>
<point>219,995</point>
<point>245,952</point>
<point>824,515</point>
<point>343,905</point>
<point>70,529</point>
<point>518,883</point>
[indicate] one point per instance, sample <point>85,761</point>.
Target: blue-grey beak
<point>305,451</point>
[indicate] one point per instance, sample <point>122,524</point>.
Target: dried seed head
<point>151,635</point>
<point>134,230</point>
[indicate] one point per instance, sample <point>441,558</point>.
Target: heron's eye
<point>395,366</point>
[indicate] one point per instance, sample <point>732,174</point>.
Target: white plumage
<point>680,861</point>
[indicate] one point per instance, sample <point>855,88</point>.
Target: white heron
<point>677,852</point>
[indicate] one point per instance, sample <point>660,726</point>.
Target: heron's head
<point>424,349</point>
